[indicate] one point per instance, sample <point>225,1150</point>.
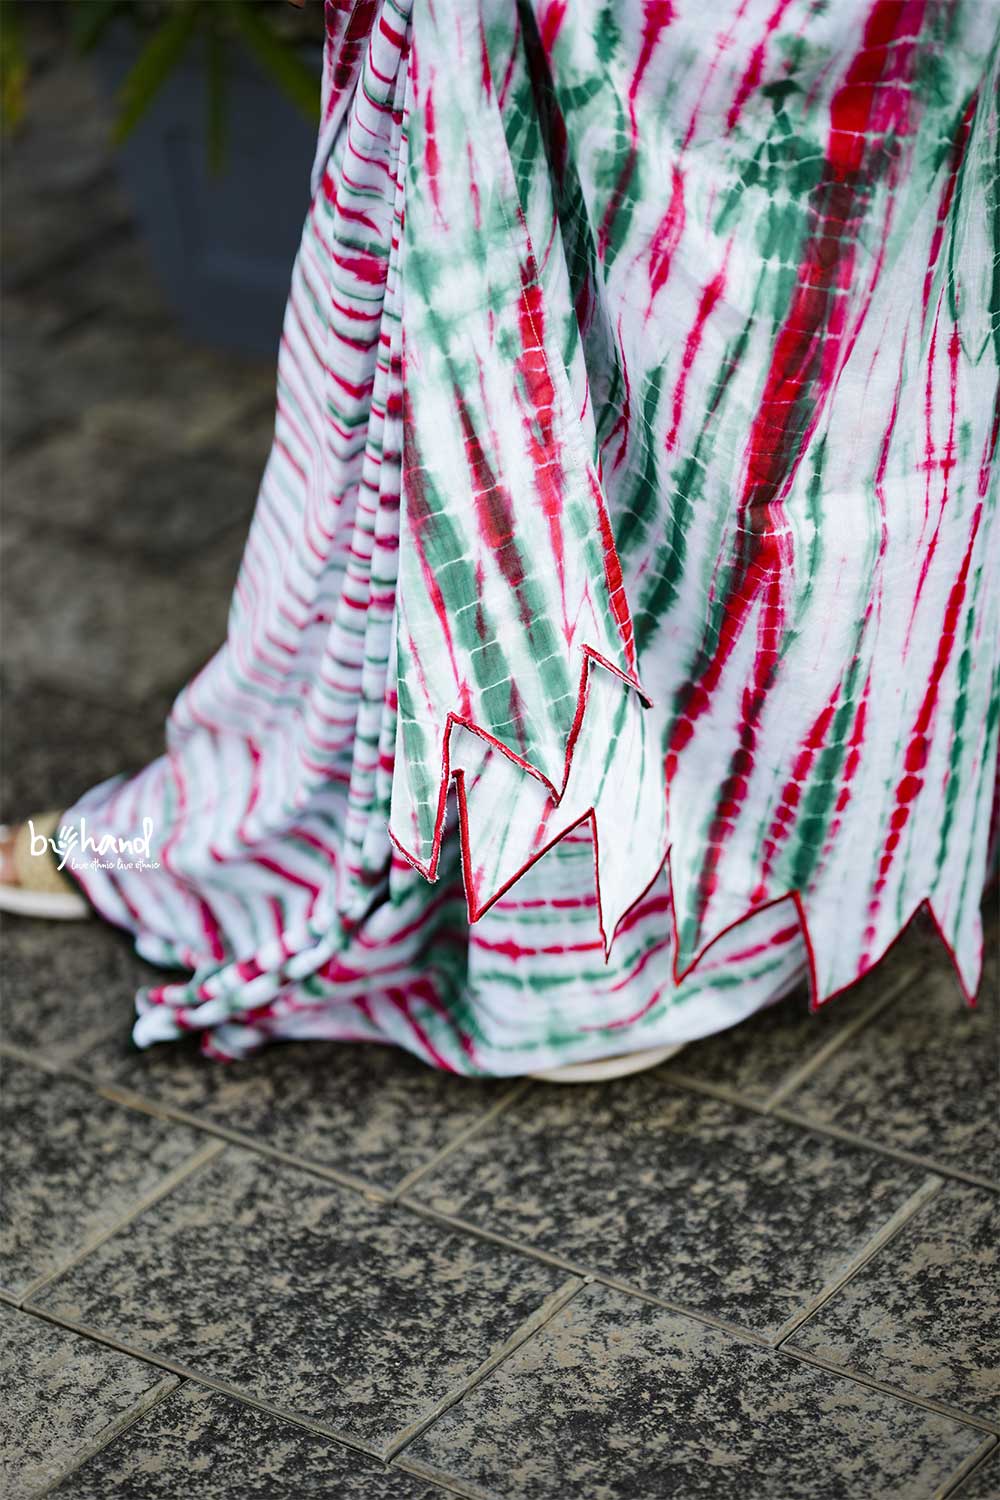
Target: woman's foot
<point>31,883</point>
<point>8,869</point>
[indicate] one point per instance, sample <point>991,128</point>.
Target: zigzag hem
<point>429,868</point>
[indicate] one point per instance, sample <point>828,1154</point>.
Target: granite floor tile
<point>372,1113</point>
<point>923,1076</point>
<point>618,1399</point>
<point>107,371</point>
<point>56,745</point>
<point>213,574</point>
<point>202,1443</point>
<point>984,1481</point>
<point>63,988</point>
<point>82,621</point>
<point>306,1295</point>
<point>153,381</point>
<point>924,1314</point>
<point>723,1211</point>
<point>206,405</point>
<point>107,485</point>
<point>118,283</point>
<point>756,1058</point>
<point>61,1395</point>
<point>31,410</point>
<point>72,1165</point>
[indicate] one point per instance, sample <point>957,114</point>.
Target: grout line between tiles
<point>166,1185</point>
<point>586,1273</point>
<point>415,1467</point>
<point>113,1432</point>
<point>927,1403</point>
<point>685,1081</point>
<point>690,1084</point>
<point>29,1059</point>
<point>524,1331</point>
<point>813,1064</point>
<point>961,1474</point>
<point>423,1211</point>
<point>740,1334</point>
<point>211,1382</point>
<point>224,1134</point>
<point>183,1375</point>
<point>909,1158</point>
<point>732,1330</point>
<point>906,1211</point>
<point>450,1483</point>
<point>509,1098</point>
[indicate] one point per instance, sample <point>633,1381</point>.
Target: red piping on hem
<point>816,1000</point>
<point>429,870</point>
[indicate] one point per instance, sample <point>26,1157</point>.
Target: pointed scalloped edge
<point>817,1001</point>
<point>429,869</point>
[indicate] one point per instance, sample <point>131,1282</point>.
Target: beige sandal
<point>603,1068</point>
<point>42,890</point>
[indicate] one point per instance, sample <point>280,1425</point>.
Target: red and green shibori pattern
<point>616,641</point>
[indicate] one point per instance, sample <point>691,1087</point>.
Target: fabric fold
<point>617,638</point>
<point>511,600</point>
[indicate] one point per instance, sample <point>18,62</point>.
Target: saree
<point>616,641</point>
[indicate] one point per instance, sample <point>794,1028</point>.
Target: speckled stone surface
<point>697,1201</point>
<point>371,1113</point>
<point>57,744</point>
<point>620,1399</point>
<point>73,623</point>
<point>61,1394</point>
<point>305,1294</point>
<point>114,284</point>
<point>72,1165</point>
<point>984,1482</point>
<point>106,372</point>
<point>924,1313</point>
<point>756,1058</point>
<point>105,480</point>
<point>200,1443</point>
<point>64,987</point>
<point>924,1077</point>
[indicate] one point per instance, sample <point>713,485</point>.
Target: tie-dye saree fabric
<point>616,639</point>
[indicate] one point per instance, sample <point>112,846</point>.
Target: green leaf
<point>215,96</point>
<point>283,63</point>
<point>89,19</point>
<point>153,66</point>
<point>13,68</point>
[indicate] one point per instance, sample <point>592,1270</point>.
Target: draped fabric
<point>616,640</point>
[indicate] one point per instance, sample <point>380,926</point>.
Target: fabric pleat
<point>616,642</point>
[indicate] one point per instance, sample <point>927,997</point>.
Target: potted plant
<point>215,110</point>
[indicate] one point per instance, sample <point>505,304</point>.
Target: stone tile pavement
<point>767,1270</point>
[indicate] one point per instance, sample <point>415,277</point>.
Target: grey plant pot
<point>221,245</point>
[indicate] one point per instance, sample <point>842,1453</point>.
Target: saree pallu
<point>616,639</point>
